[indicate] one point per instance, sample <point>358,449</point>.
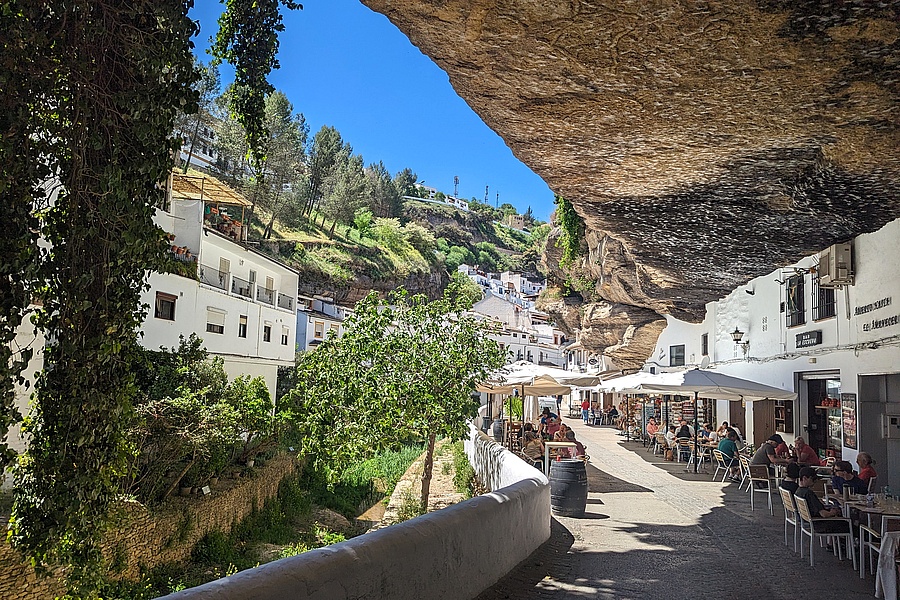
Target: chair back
<point>803,508</point>
<point>661,439</point>
<point>872,485</point>
<point>759,472</point>
<point>790,508</point>
<point>720,458</point>
<point>745,462</point>
<point>829,461</point>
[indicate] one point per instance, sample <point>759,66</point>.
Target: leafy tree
<point>404,367</point>
<point>248,39</point>
<point>440,197</point>
<point>322,155</point>
<point>507,209</point>
<point>573,230</point>
<point>420,238</point>
<point>362,220</point>
<point>285,148</point>
<point>389,232</point>
<point>528,217</point>
<point>463,291</point>
<point>458,255</point>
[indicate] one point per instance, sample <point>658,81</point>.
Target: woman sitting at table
<point>533,449</point>
<point>845,477</point>
<point>560,434</point>
<point>722,431</point>
<point>652,427</point>
<point>866,470</point>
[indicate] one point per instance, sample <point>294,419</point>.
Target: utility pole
<point>498,200</point>
<point>485,194</point>
<point>455,186</point>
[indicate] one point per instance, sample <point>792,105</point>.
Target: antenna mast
<point>455,186</point>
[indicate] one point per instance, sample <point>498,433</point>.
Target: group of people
<point>550,428</point>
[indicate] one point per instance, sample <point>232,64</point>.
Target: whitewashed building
<point>316,317</point>
<point>828,328</point>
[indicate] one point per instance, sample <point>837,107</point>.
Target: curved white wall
<point>451,554</point>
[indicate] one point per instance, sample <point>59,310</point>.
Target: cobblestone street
<point>653,531</point>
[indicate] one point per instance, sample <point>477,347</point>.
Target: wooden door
<point>737,415</point>
<point>763,420</point>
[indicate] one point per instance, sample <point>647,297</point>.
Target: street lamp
<point>737,335</point>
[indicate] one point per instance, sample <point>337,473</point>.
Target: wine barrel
<point>568,487</point>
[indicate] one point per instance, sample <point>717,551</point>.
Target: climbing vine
<point>248,39</point>
<point>572,227</point>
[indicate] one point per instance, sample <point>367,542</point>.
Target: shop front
<point>821,412</point>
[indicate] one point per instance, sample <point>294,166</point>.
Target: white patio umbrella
<point>710,384</point>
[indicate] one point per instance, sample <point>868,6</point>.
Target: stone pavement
<point>653,531</point>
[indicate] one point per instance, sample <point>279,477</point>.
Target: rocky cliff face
<point>704,144</point>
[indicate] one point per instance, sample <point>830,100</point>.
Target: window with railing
<point>824,304</point>
<point>265,295</point>
<point>213,277</point>
<point>286,302</point>
<point>795,305</point>
<point>241,287</point>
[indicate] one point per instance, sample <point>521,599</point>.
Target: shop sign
<point>809,338</point>
<point>881,323</point>
<point>848,420</point>
<point>867,308</point>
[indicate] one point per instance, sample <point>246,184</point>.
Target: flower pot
<point>185,490</point>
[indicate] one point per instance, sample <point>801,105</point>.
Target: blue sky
<point>346,66</point>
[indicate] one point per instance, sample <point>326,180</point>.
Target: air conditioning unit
<point>836,266</point>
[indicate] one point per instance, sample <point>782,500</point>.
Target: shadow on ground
<point>604,483</point>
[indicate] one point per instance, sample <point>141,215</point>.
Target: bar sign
<point>809,338</point>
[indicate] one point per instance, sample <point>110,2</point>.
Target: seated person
<point>791,477</point>
<point>549,423</point>
<point>805,454</point>
<point>708,434</point>
<point>729,450</point>
<point>533,448</point>
<point>575,452</point>
<point>808,477</point>
<point>612,415</point>
<point>866,470</point>
<point>845,477</point>
<point>782,450</point>
<point>652,427</point>
<point>722,431</point>
<point>560,434</point>
<point>766,453</point>
<point>685,431</point>
<point>670,437</point>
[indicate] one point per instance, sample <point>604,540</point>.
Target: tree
<point>404,367</point>
<point>322,156</point>
<point>381,193</point>
<point>405,182</point>
<point>528,217</point>
<point>284,155</point>
<point>345,187</point>
<point>188,125</point>
<point>507,209</point>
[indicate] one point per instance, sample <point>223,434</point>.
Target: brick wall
<point>150,538</point>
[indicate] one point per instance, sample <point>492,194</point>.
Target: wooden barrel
<point>568,487</point>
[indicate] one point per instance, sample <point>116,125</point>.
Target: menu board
<point>848,420</point>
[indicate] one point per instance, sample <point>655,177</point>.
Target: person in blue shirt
<point>728,448</point>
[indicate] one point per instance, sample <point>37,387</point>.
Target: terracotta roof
<point>198,186</point>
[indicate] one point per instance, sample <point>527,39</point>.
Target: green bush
<point>464,474</point>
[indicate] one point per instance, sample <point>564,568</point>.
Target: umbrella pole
<point>696,423</point>
<point>627,418</point>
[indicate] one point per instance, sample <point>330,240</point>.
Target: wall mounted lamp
<point>737,335</point>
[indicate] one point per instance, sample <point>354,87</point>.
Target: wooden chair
<point>790,515</point>
<point>760,474</point>
<point>810,530</point>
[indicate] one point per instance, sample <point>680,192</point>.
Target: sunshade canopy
<point>703,383</point>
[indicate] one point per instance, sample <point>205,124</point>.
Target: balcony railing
<point>265,295</point>
<point>286,302</point>
<point>241,287</point>
<point>214,277</point>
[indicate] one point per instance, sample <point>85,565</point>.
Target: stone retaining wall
<point>451,554</point>
<point>146,539</point>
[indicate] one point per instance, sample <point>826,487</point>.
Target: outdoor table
<point>547,446</point>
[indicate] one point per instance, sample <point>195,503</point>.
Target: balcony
<point>265,295</point>
<point>286,302</point>
<point>241,287</point>
<point>213,277</point>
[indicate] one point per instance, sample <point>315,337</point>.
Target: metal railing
<point>241,287</point>
<point>286,302</point>
<point>265,295</point>
<point>214,277</point>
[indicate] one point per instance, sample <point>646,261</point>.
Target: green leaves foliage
<point>573,230</point>
<point>248,39</point>
<point>403,371</point>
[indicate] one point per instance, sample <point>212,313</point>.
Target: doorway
<point>879,395</point>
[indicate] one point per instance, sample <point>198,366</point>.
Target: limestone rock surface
<point>703,143</point>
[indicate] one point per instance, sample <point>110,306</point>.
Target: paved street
<point>653,531</point>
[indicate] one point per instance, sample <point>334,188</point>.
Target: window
<point>270,283</point>
<point>285,334</point>
<point>335,328</point>
<point>242,327</point>
<point>676,356</point>
<point>704,344</point>
<point>224,265</point>
<point>319,332</point>
<point>165,306</point>
<point>215,321</point>
<point>252,276</point>
<point>267,333</point>
<point>823,302</point>
<point>795,309</point>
